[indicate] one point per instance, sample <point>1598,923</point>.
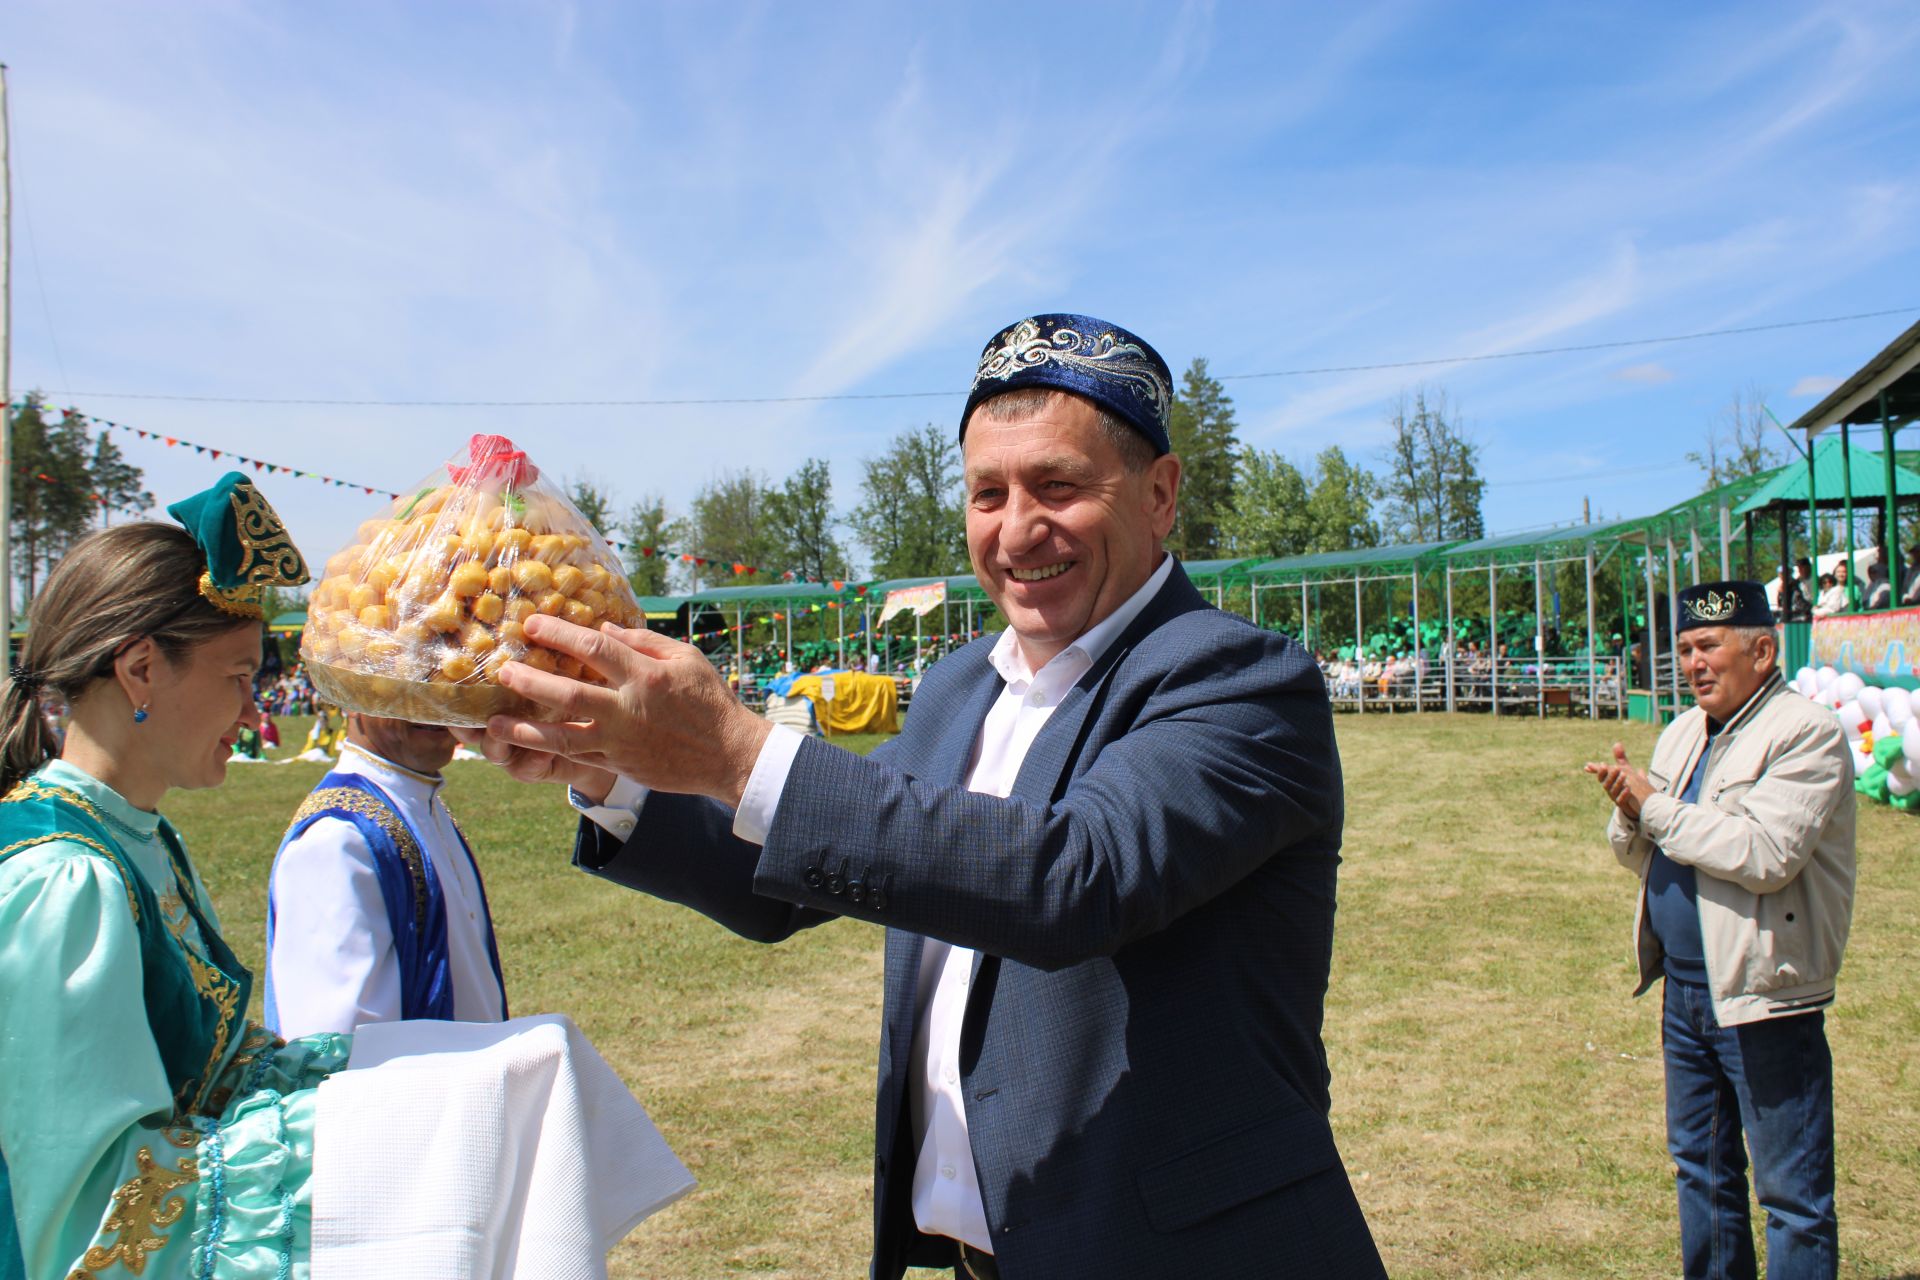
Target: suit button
<point>836,884</point>
<point>879,900</point>
<point>811,877</point>
<point>856,891</point>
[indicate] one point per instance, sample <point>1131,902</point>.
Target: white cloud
<point>1814,384</point>
<point>1651,374</point>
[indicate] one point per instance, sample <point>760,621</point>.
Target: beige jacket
<point>1771,841</point>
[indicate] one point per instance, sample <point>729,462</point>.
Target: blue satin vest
<point>410,887</point>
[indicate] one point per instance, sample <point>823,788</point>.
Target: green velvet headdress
<point>246,546</point>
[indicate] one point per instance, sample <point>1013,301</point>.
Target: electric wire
<point>682,402</point>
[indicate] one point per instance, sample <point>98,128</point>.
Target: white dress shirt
<point>334,965</point>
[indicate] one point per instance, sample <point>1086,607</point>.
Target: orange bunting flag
<point>171,442</point>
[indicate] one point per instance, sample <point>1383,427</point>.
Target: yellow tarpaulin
<point>861,703</point>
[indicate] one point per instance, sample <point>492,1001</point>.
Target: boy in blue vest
<point>376,911</point>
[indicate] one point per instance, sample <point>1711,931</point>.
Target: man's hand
<point>667,720</point>
<point>1625,785</point>
<point>539,766</point>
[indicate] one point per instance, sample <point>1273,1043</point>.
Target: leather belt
<point>976,1265</point>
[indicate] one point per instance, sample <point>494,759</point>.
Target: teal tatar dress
<point>146,1129</point>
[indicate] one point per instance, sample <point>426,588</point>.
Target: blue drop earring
<point>140,714</point>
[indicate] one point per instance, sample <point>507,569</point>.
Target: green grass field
<point>1497,1093</point>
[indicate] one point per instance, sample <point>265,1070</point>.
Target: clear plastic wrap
<point>416,617</point>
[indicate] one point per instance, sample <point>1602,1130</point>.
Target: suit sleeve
<point>1227,763</point>
<point>1760,833</point>
<point>683,850</point>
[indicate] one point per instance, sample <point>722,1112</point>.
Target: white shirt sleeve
<point>333,965</point>
<point>619,813</point>
<point>758,803</point>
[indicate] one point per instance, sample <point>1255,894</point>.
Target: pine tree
<point>54,502</point>
<point>1202,434</point>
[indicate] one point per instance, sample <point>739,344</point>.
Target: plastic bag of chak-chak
<point>416,617</point>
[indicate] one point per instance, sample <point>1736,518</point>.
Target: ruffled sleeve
<point>103,1173</point>
<point>253,1211</point>
<point>81,1080</point>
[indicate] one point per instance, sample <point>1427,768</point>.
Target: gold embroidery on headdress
<point>268,556</point>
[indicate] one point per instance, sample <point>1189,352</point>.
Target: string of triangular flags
<point>258,464</point>
<point>696,559</point>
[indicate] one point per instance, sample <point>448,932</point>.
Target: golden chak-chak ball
<point>439,590</point>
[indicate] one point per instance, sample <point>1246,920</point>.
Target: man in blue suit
<point>1104,849</point>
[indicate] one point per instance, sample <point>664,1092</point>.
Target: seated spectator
<point>1910,586</point>
<point>1833,592</point>
<point>1879,586</point>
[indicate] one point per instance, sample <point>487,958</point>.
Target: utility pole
<point>6,382</point>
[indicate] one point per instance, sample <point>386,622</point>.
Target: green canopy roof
<point>293,620</point>
<point>1532,544</point>
<point>768,593</point>
<point>1402,558</point>
<point>1219,573</point>
<point>1787,487</point>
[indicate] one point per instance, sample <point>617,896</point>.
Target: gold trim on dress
<point>354,800</point>
<point>126,879</point>
<point>35,789</point>
<point>143,1204</point>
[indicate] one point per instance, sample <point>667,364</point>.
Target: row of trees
<point>1236,500</point>
<point>910,516</point>
<point>67,481</point>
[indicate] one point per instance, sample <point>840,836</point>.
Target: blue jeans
<point>1772,1081</point>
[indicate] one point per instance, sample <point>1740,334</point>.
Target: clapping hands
<point>1625,785</point>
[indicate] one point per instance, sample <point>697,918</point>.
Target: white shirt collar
<point>1008,659</point>
<point>402,784</point>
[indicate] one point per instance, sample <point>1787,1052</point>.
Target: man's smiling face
<point>1061,531</point>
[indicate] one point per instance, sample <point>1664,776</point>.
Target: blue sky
<point>627,201</point>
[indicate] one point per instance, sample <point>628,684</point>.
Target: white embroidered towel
<point>472,1151</point>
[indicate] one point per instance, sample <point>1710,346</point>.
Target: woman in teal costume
<point>145,1128</point>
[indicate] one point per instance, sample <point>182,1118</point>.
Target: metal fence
<point>1505,686</point>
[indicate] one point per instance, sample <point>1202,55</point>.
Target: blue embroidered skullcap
<point>1102,362</point>
<point>1724,604</point>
